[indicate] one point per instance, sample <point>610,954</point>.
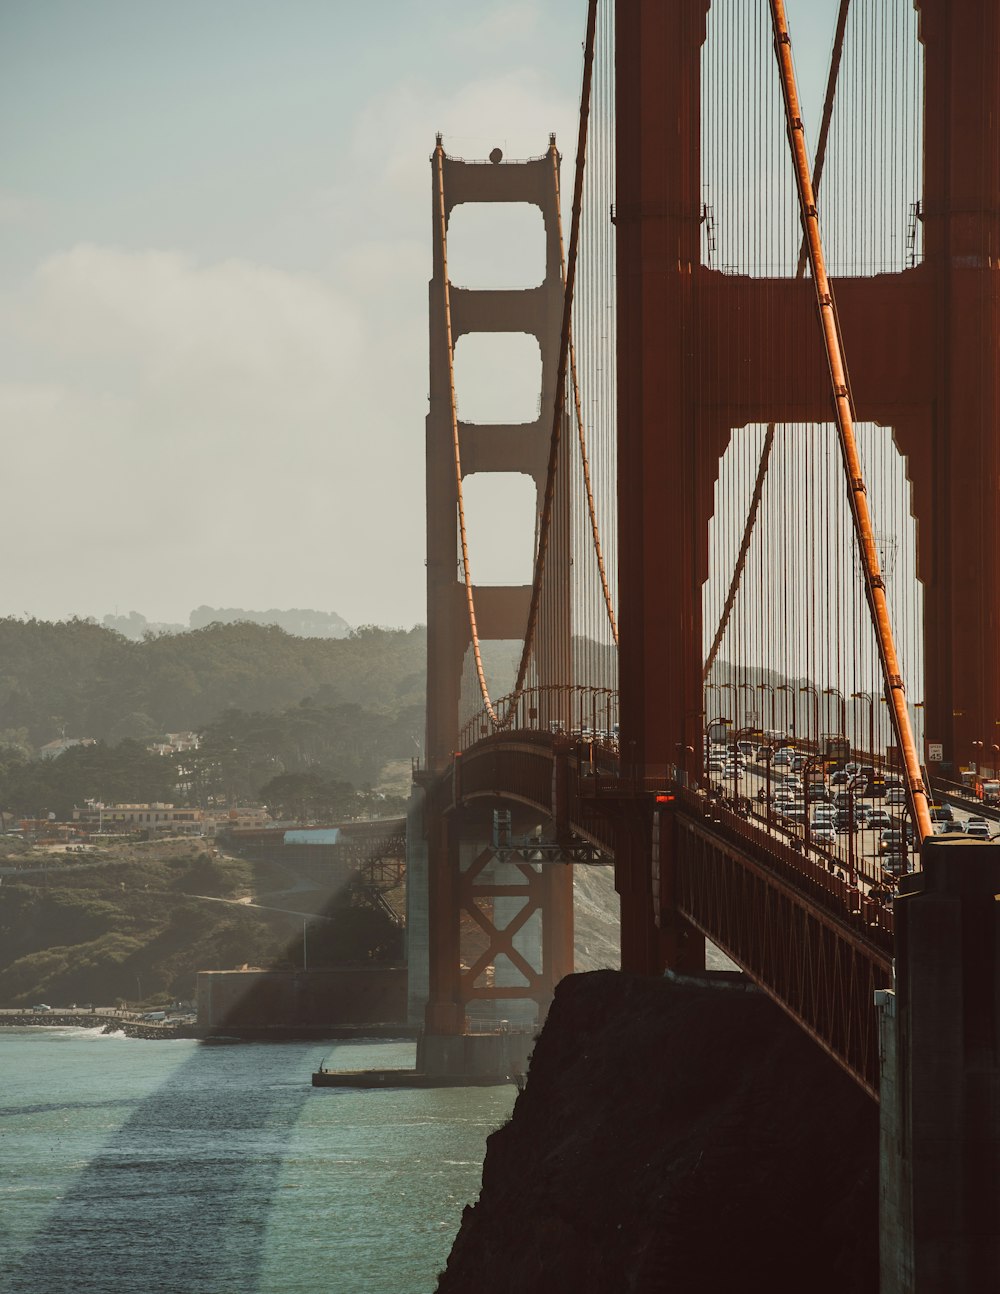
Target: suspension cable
<point>843,406</point>
<point>545,524</point>
<point>582,440</point>
<point>765,453</point>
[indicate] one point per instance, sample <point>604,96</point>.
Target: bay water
<point>181,1168</point>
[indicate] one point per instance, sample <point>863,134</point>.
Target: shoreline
<point>134,1026</point>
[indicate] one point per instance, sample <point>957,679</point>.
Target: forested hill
<point>80,679</point>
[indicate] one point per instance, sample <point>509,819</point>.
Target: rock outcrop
<point>675,1136</point>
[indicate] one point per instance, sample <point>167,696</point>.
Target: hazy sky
<point>215,227</point>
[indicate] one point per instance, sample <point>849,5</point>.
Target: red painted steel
<point>895,690</point>
<point>924,360</point>
<point>808,938</point>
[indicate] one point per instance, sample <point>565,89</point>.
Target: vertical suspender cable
<point>874,584</point>
<point>765,453</point>
<point>560,387</point>
<point>582,439</point>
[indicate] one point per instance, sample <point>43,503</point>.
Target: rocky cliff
<point>675,1136</point>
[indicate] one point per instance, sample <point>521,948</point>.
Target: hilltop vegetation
<point>305,623</point>
<point>84,680</point>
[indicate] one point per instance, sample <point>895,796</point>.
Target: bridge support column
<point>445,1013</point>
<point>654,936</point>
<point>417,934</point>
<point>557,939</point>
<point>940,1078</point>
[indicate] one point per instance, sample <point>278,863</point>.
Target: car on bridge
<point>977,828</point>
<point>879,820</point>
<point>894,840</point>
<point>942,818</point>
<point>845,822</point>
<point>823,834</point>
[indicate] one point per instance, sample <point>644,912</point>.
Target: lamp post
<point>852,870</point>
<point>751,712</point>
<point>761,687</point>
<point>835,691</point>
<point>722,719</point>
<point>977,755</point>
<point>768,756</point>
<point>867,696</point>
<point>785,687</point>
<point>812,762</point>
<point>811,687</point>
<point>736,697</point>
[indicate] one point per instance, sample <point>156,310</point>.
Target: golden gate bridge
<point>766,478</point>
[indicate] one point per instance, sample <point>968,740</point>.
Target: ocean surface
<point>130,1166</point>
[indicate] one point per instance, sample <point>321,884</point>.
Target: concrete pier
<point>939,1212</point>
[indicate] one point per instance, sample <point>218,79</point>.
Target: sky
<point>215,233</point>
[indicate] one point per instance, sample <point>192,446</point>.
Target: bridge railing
<point>870,917</point>
<point>588,714</point>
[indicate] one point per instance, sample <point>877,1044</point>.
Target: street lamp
<point>770,688</point>
<point>811,687</point>
<point>785,687</point>
<point>709,728</point>
<point>736,696</point>
<point>714,723</point>
<point>812,762</point>
<point>768,756</point>
<point>867,696</point>
<point>835,691</point>
<point>748,687</point>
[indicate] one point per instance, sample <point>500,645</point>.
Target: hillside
<point>136,922</point>
<point>83,680</point>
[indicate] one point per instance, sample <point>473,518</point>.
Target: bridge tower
<point>923,355</point>
<point>501,611</point>
<point>450,842</point>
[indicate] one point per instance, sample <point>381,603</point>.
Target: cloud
<point>505,24</point>
<point>515,111</point>
<point>219,430</point>
<point>198,430</point>
<point>18,208</point>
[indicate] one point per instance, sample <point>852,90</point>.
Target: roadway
<point>752,786</point>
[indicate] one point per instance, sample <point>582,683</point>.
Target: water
<point>130,1166</point>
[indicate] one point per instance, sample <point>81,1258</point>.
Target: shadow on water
<point>178,1198</point>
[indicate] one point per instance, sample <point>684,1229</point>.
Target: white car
<point>977,828</point>
<point>823,834</point>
